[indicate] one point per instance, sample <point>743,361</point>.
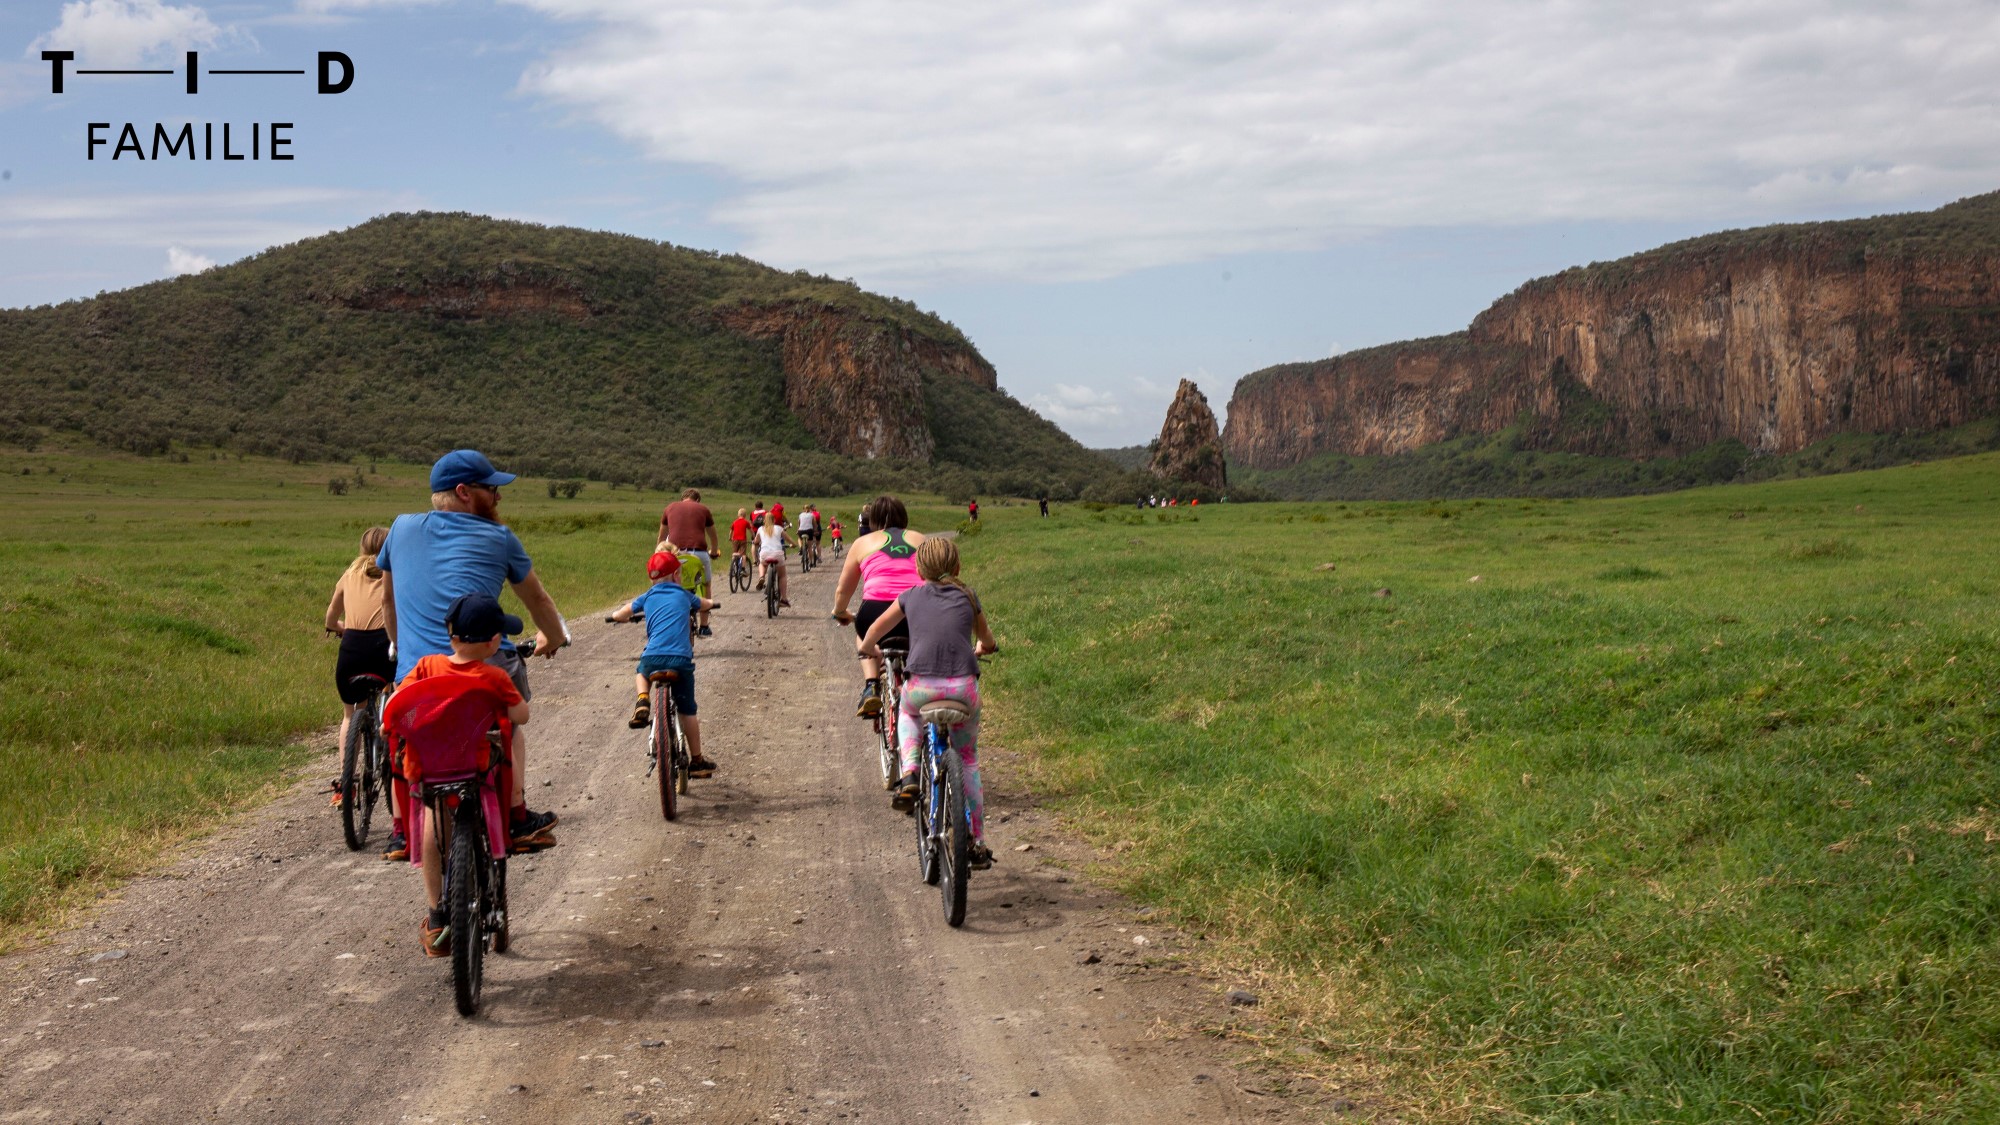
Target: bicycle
<point>944,821</point>
<point>366,751</point>
<point>459,748</point>
<point>895,651</point>
<point>740,578</point>
<point>771,590</point>
<point>666,744</point>
<point>805,553</point>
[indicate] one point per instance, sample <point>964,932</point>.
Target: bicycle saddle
<point>946,712</point>
<point>665,677</point>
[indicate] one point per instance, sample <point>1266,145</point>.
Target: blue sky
<point>1107,195</point>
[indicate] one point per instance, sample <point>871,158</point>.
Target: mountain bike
<point>944,821</point>
<point>894,651</point>
<point>771,589</point>
<point>666,744</point>
<point>740,578</point>
<point>364,763</point>
<point>805,553</point>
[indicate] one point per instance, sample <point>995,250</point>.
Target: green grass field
<point>1674,808</point>
<point>161,651</point>
<point>1681,811</point>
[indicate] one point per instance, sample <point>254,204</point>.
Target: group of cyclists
<point>420,600</point>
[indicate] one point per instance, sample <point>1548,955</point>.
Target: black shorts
<point>864,619</point>
<point>363,652</point>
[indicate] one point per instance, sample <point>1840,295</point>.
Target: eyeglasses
<point>493,488</point>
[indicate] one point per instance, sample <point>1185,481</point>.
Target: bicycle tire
<point>771,594</point>
<point>892,704</point>
<point>461,885</point>
<point>502,933</point>
<point>885,747</point>
<point>352,826</point>
<point>928,794</point>
<point>663,751</point>
<point>374,761</point>
<point>683,760</point>
<point>955,843</point>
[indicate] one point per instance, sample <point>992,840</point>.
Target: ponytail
<point>937,561</point>
<point>371,545</point>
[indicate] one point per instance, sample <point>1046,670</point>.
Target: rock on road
<point>770,957</point>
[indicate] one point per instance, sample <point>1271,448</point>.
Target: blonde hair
<point>937,561</point>
<point>371,545</point>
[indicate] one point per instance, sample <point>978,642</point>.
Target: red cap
<point>663,565</point>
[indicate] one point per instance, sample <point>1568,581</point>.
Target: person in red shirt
<point>972,509</point>
<point>739,534</point>
<point>690,526</point>
<point>778,511</point>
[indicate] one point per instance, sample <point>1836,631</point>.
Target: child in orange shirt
<point>476,625</point>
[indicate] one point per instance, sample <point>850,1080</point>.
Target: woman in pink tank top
<point>882,564</point>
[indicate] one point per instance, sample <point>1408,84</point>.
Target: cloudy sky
<point>1107,196</point>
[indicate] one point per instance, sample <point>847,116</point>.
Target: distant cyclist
<point>833,533</point>
<point>667,606</point>
<point>972,509</point>
<point>690,527</point>
<point>771,555</point>
<point>883,564</point>
<point>739,535</point>
<point>756,514</point>
<point>808,526</point>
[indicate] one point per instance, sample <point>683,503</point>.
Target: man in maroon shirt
<point>690,526</point>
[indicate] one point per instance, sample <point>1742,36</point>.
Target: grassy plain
<point>1673,808</point>
<point>160,644</point>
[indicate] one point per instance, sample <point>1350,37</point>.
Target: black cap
<point>476,618</point>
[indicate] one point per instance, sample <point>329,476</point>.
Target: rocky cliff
<point>1775,337</point>
<point>857,382</point>
<point>1190,447</point>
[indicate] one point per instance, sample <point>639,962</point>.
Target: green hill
<point>559,351</point>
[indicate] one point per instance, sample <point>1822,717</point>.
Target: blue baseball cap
<point>466,466</point>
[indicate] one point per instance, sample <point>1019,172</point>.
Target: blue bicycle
<point>944,821</point>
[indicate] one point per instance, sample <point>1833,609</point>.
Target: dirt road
<point>770,957</point>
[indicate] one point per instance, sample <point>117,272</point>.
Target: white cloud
<point>1075,407</point>
<point>1062,139</point>
<point>323,7</point>
<point>181,261</point>
<point>229,220</point>
<point>115,33</point>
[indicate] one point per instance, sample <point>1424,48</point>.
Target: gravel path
<point>771,957</point>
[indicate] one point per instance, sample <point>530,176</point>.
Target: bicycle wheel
<point>663,751</point>
<point>353,820</point>
<point>461,888</point>
<point>929,793</point>
<point>885,726</point>
<point>771,594</point>
<point>892,704</point>
<point>805,558</point>
<point>682,759</point>
<point>955,839</point>
<point>501,931</point>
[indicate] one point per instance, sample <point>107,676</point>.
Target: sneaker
<point>701,767</point>
<point>642,713</point>
<point>980,857</point>
<point>333,793</point>
<point>760,583</point>
<point>783,604</point>
<point>871,700</point>
<point>398,849</point>
<point>704,631</point>
<point>527,826</point>
<point>905,799</point>
<point>436,937</point>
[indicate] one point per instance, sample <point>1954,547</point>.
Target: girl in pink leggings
<point>944,619</point>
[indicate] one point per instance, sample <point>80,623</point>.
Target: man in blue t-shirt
<point>669,608</point>
<point>460,547</point>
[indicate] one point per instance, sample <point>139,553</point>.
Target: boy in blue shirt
<point>669,608</point>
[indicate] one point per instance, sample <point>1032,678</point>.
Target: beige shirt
<point>363,604</point>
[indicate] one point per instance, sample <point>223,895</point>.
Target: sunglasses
<point>493,488</point>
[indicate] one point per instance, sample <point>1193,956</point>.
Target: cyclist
<point>972,509</point>
<point>756,514</point>
<point>460,547</point>
<point>739,534</point>
<point>808,526</point>
<point>778,510</point>
<point>884,564</point>
<point>862,523</point>
<point>690,527</point>
<point>667,606</point>
<point>771,540</point>
<point>476,628</point>
<point>359,616</point>
<point>943,617</point>
<point>833,533</point>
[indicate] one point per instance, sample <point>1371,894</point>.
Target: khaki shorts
<point>510,662</point>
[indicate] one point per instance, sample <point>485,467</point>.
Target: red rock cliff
<point>855,381</point>
<point>1776,337</point>
<point>1189,448</point>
